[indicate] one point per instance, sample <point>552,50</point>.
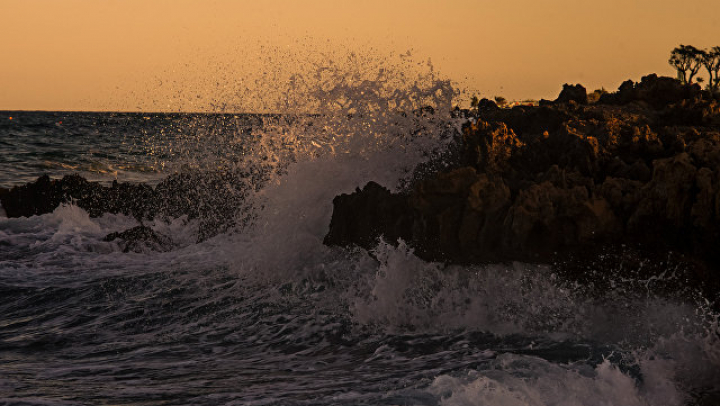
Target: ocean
<point>263,313</point>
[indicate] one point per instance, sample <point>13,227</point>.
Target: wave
<point>264,313</point>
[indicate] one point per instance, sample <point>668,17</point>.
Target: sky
<point>172,55</point>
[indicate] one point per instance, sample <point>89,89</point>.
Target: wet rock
<point>45,195</point>
<point>141,239</point>
<point>454,210</point>
<point>367,215</point>
<point>706,205</point>
<point>214,198</point>
<point>622,194</point>
<point>32,199</point>
<point>641,168</point>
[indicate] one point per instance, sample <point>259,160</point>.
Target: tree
<point>687,60</point>
<point>501,101</point>
<point>474,102</point>
<point>711,62</point>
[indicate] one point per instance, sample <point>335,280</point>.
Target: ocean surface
<point>265,314</point>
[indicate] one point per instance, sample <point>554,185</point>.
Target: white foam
<point>366,130</point>
<point>526,381</point>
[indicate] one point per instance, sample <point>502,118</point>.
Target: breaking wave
<point>264,313</point>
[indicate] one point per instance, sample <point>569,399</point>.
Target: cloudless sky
<point>142,54</point>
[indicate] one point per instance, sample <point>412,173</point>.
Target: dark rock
<point>545,103</point>
<point>141,239</point>
<point>693,112</point>
<point>458,213</point>
<point>368,214</point>
<point>216,199</point>
<point>573,93</point>
<point>45,195</point>
<point>658,91</point>
<point>213,198</point>
<point>490,145</point>
<point>31,199</point>
<point>545,219</point>
<point>640,168</point>
<point>487,105</point>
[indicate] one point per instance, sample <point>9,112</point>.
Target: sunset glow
<point>134,55</point>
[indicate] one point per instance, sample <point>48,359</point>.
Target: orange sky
<point>159,54</point>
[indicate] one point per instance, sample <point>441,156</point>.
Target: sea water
<point>265,314</point>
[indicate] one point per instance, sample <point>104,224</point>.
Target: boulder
<point>45,195</point>
<point>364,216</point>
<point>31,199</point>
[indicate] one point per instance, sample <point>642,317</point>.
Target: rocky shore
<point>632,176</point>
<point>213,198</point>
<point>628,182</point>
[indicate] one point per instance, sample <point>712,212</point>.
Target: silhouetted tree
<point>711,62</point>
<point>687,60</point>
<point>474,102</point>
<point>500,101</point>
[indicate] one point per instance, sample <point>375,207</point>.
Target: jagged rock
<point>623,195</point>
<point>641,167</point>
<point>45,195</point>
<point>707,204</point>
<point>487,105</point>
<point>658,91</point>
<point>366,215</point>
<point>31,199</point>
<point>441,210</point>
<point>487,203</point>
<point>705,151</point>
<point>140,239</point>
<point>637,171</point>
<point>545,219</point>
<point>215,198</point>
<point>573,93</point>
<point>667,197</point>
<point>490,145</point>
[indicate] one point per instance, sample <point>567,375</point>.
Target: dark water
<point>267,315</point>
<point>129,147</point>
<point>102,146</point>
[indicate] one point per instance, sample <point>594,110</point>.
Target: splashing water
<point>264,313</point>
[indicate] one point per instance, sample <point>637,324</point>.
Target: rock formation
<point>641,168</point>
<point>213,198</point>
